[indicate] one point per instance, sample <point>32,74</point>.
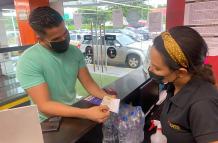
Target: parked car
<point>121,50</point>
<point>145,33</point>
<point>133,35</point>
<point>140,31</point>
<point>76,39</point>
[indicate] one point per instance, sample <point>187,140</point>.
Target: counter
<point>129,88</point>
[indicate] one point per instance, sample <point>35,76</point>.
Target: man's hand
<point>98,113</point>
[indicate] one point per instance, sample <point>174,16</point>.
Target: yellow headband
<point>174,50</point>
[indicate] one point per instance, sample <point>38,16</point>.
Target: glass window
<point>124,40</point>
<point>97,20</point>
<point>110,42</point>
<point>72,37</point>
<point>9,29</point>
<point>78,37</point>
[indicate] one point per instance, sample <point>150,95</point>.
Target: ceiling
<point>9,4</point>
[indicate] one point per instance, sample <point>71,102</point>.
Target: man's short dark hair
<point>44,17</point>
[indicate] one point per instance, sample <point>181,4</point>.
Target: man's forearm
<point>95,90</point>
<point>89,84</point>
<point>52,108</point>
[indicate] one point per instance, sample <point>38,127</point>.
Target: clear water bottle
<point>114,128</point>
<point>107,132</point>
<point>136,125</point>
<point>110,133</point>
<point>130,124</point>
<point>133,125</point>
<point>123,129</point>
<point>124,110</point>
<point>141,117</point>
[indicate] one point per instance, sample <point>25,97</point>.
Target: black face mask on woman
<point>61,46</point>
<point>159,79</point>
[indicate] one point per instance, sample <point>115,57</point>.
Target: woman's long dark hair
<point>194,48</point>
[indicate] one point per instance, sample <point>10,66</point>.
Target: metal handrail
<point>15,48</point>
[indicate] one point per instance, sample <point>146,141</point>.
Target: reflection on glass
<point>113,58</point>
<point>124,40</point>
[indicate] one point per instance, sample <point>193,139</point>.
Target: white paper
<point>117,18</point>
<point>112,103</point>
<point>203,17</point>
<point>201,13</point>
<point>155,22</point>
<point>206,30</point>
<point>77,18</point>
<point>212,43</point>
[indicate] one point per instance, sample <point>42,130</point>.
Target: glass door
<point>114,35</point>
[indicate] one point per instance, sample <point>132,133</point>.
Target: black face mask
<point>159,79</point>
<point>61,46</point>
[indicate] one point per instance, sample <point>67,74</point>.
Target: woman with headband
<point>190,112</point>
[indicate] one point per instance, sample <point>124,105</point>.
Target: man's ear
<point>181,72</point>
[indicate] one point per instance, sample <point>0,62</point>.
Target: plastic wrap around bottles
<point>125,127</point>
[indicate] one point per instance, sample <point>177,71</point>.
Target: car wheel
<point>88,51</point>
<point>133,61</point>
<point>88,59</point>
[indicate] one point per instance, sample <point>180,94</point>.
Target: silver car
<point>114,49</point>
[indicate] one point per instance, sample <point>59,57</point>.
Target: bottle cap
<point>152,126</point>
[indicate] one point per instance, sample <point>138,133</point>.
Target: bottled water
<point>125,127</point>
<point>110,132</point>
<point>123,130</point>
<point>141,117</point>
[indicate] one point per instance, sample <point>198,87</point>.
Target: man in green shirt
<point>48,70</point>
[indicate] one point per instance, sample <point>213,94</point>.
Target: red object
<point>175,13</point>
<point>206,61</point>
<point>23,9</point>
<point>152,126</point>
<point>213,60</point>
<point>175,17</point>
<point>78,46</point>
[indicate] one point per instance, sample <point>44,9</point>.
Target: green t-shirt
<point>39,65</point>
